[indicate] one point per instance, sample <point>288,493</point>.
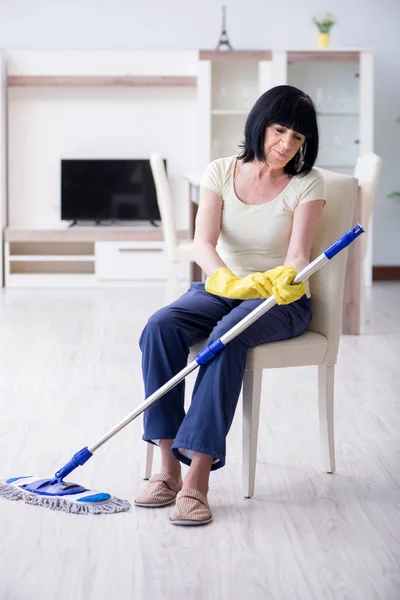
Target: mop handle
<point>208,352</point>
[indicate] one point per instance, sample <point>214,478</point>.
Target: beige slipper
<point>161,490</point>
<point>191,508</point>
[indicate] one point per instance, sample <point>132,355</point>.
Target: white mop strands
<point>57,494</point>
<point>80,502</point>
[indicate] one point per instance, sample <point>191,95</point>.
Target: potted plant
<point>324,22</point>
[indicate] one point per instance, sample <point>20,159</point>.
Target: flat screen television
<point>108,190</point>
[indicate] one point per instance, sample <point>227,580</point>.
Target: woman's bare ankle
<point>197,477</point>
<point>170,464</point>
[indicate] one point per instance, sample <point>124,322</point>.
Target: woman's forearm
<point>207,258</point>
<point>297,262</point>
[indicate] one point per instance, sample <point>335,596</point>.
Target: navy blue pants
<point>165,343</point>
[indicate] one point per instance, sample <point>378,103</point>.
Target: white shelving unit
<point>37,250</point>
<point>52,261</point>
<point>340,82</point>
<point>228,85</point>
<point>336,81</point>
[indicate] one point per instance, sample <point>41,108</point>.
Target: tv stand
<point>72,223</point>
<point>88,256</point>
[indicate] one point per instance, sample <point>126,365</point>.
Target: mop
<point>57,494</point>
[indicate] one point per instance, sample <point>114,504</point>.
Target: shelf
<point>51,258</point>
<point>322,55</point>
<point>50,267</point>
<point>50,280</point>
<point>337,114</point>
<point>88,234</point>
<point>292,56</point>
<point>233,55</point>
<point>101,81</point>
<point>229,112</point>
<point>336,166</point>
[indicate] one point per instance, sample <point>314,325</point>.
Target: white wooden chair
<point>177,252</point>
<point>317,346</point>
<point>367,172</point>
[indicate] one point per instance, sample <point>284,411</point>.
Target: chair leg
<point>365,304</point>
<point>251,417</point>
<point>149,461</point>
<point>326,379</point>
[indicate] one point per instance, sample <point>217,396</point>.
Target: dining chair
<point>178,252</point>
<point>367,172</point>
<point>317,346</point>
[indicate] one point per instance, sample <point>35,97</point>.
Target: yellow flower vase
<point>323,40</point>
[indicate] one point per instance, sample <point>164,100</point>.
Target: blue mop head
<point>61,495</point>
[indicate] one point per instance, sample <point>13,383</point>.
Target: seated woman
<point>256,222</point>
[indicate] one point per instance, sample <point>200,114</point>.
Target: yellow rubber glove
<point>283,289</point>
<point>224,283</point>
<point>276,282</point>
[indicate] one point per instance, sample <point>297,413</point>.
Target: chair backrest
<point>165,204</point>
<point>367,171</point>
<point>327,284</point>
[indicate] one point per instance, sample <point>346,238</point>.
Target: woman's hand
<point>283,288</point>
<point>276,282</point>
<point>226,284</point>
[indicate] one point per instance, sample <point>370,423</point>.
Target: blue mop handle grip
<point>344,241</point>
<point>77,460</point>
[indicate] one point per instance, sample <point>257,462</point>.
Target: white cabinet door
<point>228,86</point>
<point>130,261</point>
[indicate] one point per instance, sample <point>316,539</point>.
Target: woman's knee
<point>162,317</point>
<point>160,321</point>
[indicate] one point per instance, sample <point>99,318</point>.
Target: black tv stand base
<point>111,223</point>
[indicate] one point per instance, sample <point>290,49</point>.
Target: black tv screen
<point>103,190</point>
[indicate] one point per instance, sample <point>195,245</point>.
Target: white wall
<point>190,25</point>
<point>3,155</point>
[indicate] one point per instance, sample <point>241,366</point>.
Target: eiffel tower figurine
<point>224,43</point>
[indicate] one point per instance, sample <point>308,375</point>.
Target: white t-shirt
<point>256,237</point>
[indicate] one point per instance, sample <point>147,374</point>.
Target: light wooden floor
<point>70,369</point>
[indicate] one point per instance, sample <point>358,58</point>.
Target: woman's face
<point>281,145</point>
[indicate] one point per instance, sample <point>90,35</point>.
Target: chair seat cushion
<point>307,349</point>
